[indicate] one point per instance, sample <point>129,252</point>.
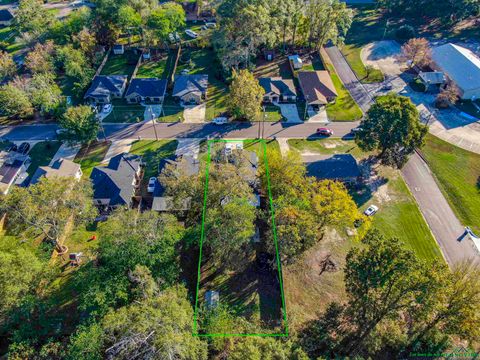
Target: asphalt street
<point>445,226</point>
<point>146,130</point>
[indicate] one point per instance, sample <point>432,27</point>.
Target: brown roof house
<point>278,89</point>
<point>317,87</point>
<point>60,168</point>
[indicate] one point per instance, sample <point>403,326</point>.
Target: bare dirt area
<point>315,280</point>
<point>384,55</point>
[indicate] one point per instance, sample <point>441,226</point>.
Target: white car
<point>220,120</point>
<point>177,37</point>
<point>151,184</point>
<point>211,25</point>
<point>372,209</point>
<point>107,108</point>
<point>171,37</point>
<point>191,33</point>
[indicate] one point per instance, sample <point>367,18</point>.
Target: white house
<point>462,66</point>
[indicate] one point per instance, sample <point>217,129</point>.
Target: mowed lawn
<point>368,25</point>
<point>160,66</point>
<point>457,172</point>
<point>202,61</point>
<point>91,155</point>
<point>120,64</point>
<point>152,153</point>
<point>41,154</point>
<point>399,215</point>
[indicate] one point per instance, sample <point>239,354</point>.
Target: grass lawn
<point>172,110</point>
<point>120,64</point>
<point>152,153</point>
<point>202,61</point>
<point>9,36</point>
<point>124,112</point>
<point>41,154</point>
<point>272,114</point>
<point>399,214</point>
<point>457,172</point>
<point>368,25</point>
<point>91,155</point>
<point>159,66</point>
<point>256,145</point>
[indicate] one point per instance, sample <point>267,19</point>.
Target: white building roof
<point>460,64</point>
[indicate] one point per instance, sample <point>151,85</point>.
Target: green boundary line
<point>202,236</point>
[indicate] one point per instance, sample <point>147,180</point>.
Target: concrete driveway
<point>319,117</point>
<point>152,112</point>
<point>189,146</point>
<point>117,147</point>
<point>194,114</point>
<point>66,152</point>
<point>289,112</point>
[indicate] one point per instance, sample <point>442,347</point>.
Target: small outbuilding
<point>430,78</point>
<point>295,61</point>
<point>118,49</point>
<point>212,298</point>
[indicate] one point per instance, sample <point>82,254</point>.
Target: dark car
<point>324,132</point>
<point>12,147</point>
<point>23,148</point>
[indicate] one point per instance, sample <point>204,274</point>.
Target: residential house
<point>461,66</point>
<point>317,87</point>
<point>278,89</point>
<point>115,184</point>
<point>339,167</point>
<point>12,166</point>
<point>151,90</point>
<point>60,168</point>
<point>6,17</point>
<point>104,88</point>
<point>118,49</point>
<point>185,165</point>
<point>432,78</point>
<point>191,89</point>
<point>295,62</point>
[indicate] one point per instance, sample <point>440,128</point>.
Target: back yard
<point>159,66</point>
<point>120,64</point>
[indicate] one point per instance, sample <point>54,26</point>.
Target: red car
<point>324,132</point>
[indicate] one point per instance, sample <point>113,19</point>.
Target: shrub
<point>405,32</point>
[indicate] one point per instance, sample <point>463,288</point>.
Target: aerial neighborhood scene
<point>239,179</point>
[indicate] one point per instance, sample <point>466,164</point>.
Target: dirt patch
<point>383,55</point>
<point>309,153</point>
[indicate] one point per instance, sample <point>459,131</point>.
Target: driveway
<point>190,146</point>
<point>117,147</point>
<point>318,116</point>
<point>289,112</point>
<point>66,152</point>
<point>445,226</point>
<point>152,112</point>
<point>194,114</point>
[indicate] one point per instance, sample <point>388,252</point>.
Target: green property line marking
<point>202,236</point>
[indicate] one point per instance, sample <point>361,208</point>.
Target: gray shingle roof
<point>115,181</point>
<point>185,84</point>
<point>103,85</point>
<point>60,168</point>
<point>151,87</point>
<point>6,15</point>
<point>278,86</point>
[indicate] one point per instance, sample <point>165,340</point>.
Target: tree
<point>15,102</point>
<point>40,59</point>
<point>417,51</point>
<point>45,93</point>
<point>76,65</point>
<point>81,124</point>
<point>246,96</point>
<point>165,19</point>
<point>265,348</point>
<point>7,65</point>
<point>32,18</point>
<point>47,208</point>
<point>86,343</point>
<point>129,20</point>
<point>392,126</point>
<point>448,96</point>
<point>160,327</point>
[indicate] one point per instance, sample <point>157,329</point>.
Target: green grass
<point>156,68</point>
<point>91,155</point>
<point>172,110</point>
<point>368,25</point>
<point>399,214</point>
<point>152,153</point>
<point>344,108</point>
<point>457,172</point>
<point>120,64</point>
<point>202,61</point>
<point>256,145</point>
<point>41,154</point>
<point>8,36</point>
<point>124,112</point>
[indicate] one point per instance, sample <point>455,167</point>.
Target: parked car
<point>357,129</point>
<point>211,25</point>
<point>61,132</point>
<point>185,71</point>
<point>387,87</point>
<point>12,147</point>
<point>177,37</point>
<point>151,184</point>
<point>220,120</point>
<point>324,132</point>
<point>372,210</point>
<point>107,108</point>
<point>171,37</point>
<point>191,33</point>
<point>23,148</point>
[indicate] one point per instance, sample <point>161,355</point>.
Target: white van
<point>220,120</point>
<point>191,33</point>
<point>211,25</point>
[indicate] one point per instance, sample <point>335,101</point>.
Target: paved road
<point>349,79</point>
<point>436,210</point>
<point>145,130</point>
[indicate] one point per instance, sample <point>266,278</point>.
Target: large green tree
<point>246,96</point>
<point>392,126</point>
<point>80,123</point>
<point>32,18</point>
<point>14,101</point>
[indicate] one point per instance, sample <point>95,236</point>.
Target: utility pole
<point>263,123</point>
<point>306,106</point>
<point>153,122</point>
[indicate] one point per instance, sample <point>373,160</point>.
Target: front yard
<point>399,215</point>
<point>457,172</point>
<point>41,154</point>
<point>123,112</point>
<point>91,155</point>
